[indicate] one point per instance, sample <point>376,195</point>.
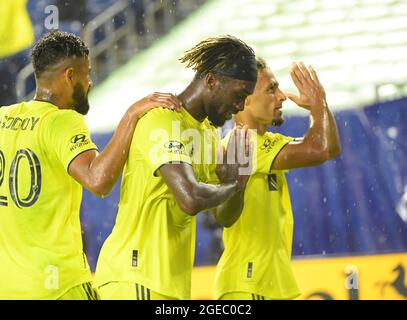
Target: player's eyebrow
<point>273,85</point>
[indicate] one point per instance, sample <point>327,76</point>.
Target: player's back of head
<point>55,47</point>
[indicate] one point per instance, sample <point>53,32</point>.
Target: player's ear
<point>248,101</point>
<point>211,81</point>
<point>69,76</point>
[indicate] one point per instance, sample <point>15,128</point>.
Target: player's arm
<point>321,142</point>
<point>193,196</point>
<point>227,213</point>
<point>98,172</point>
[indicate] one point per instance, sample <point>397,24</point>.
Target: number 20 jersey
<point>41,254</point>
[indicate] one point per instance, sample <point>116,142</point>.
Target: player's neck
<point>246,118</point>
<point>191,99</point>
<point>49,95</point>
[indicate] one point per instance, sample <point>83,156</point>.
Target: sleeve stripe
<point>138,295</point>
<point>142,293</point>
<point>67,167</point>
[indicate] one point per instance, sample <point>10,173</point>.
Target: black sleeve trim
<point>67,168</point>
<point>169,162</point>
<point>282,147</point>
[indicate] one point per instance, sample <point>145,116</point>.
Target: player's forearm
<point>334,140</point>
<point>317,137</point>
<point>106,168</point>
<point>228,212</point>
<point>206,196</point>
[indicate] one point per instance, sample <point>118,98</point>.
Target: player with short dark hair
<point>166,182</point>
<point>256,262</point>
<point>46,156</point>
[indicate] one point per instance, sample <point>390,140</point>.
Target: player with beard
<point>46,156</point>
<point>256,262</point>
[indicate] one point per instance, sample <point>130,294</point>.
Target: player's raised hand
<point>157,99</point>
<point>236,165</point>
<point>227,169</point>
<point>244,152</point>
<point>311,92</point>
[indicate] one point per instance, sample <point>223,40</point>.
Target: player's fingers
<point>168,98</point>
<point>245,139</point>
<point>295,68</point>
<point>231,148</point>
<point>161,103</point>
<point>166,102</point>
<point>237,143</point>
<point>314,74</point>
<point>294,72</point>
<point>247,142</point>
<point>305,72</point>
<point>166,95</point>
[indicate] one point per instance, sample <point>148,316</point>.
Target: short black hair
<point>54,47</point>
<point>221,53</point>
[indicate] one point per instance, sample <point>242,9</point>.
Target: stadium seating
<point>355,45</point>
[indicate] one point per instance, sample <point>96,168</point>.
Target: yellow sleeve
<point>267,150</point>
<point>16,31</point>
<point>159,138</point>
<point>69,136</point>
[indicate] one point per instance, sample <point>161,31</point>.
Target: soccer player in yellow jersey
<point>166,181</point>
<point>46,156</point>
<point>255,263</point>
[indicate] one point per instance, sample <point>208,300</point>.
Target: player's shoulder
<point>159,116</point>
<point>275,137</point>
<point>63,116</point>
<point>163,113</point>
<point>12,108</point>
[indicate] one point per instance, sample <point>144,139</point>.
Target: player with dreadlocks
<point>150,252</point>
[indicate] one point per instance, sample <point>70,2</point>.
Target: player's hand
<point>157,99</point>
<point>244,152</point>
<point>311,92</point>
<point>236,165</point>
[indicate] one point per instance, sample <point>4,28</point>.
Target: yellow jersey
<point>16,30</point>
<point>40,234</point>
<point>153,240</point>
<point>257,254</point>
